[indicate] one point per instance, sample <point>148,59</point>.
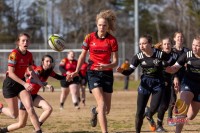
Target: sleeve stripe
<point>189,54</point>
<point>158,54</point>
<point>132,66</point>
<point>175,56</point>
<point>140,56</point>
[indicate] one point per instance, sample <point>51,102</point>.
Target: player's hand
<point>71,76</point>
<point>169,69</point>
<point>100,67</point>
<point>28,87</point>
<point>119,69</point>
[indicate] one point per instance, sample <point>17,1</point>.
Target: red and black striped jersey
<point>100,49</point>
<point>20,62</point>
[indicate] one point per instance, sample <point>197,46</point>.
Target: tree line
<point>75,18</point>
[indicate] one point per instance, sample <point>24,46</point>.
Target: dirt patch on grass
<point>69,120</point>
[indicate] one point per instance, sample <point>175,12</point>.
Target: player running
<point>190,86</point>
<point>67,66</point>
<point>152,80</point>
<point>15,87</point>
<point>103,51</point>
<point>179,49</point>
<point>43,72</point>
<point>166,47</point>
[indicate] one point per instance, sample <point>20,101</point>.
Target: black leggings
<point>165,100</point>
<point>142,100</point>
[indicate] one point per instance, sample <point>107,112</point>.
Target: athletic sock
<point>159,122</point>
<point>41,123</point>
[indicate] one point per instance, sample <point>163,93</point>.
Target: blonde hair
<point>110,17</point>
<point>158,45</point>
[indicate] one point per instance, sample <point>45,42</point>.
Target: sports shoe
<point>160,129</point>
<point>77,107</point>
<point>93,120</point>
<point>1,131</point>
<point>1,106</point>
<point>152,124</point>
<point>61,107</point>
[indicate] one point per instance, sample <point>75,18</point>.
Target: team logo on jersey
<point>156,62</point>
<point>12,58</point>
<point>96,84</point>
<point>93,43</point>
<point>144,63</point>
<point>186,88</point>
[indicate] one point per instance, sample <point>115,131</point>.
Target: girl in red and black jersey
<point>102,46</point>
<point>15,87</point>
<point>67,66</point>
<point>43,72</point>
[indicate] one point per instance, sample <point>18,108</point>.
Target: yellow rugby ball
<point>56,42</point>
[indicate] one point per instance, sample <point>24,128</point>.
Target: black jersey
<point>193,65</point>
<point>170,59</point>
<point>151,66</point>
<point>181,71</point>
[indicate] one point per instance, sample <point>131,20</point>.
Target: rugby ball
<point>56,42</point>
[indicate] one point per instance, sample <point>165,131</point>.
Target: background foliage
<point>75,18</point>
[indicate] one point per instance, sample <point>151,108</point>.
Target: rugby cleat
<point>152,124</point>
<point>160,129</point>
<point>93,120</point>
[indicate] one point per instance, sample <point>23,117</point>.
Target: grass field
<point>69,120</point>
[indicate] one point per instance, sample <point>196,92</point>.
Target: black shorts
<point>11,88</point>
<point>83,81</point>
<point>192,86</point>
<point>150,85</point>
<point>21,105</point>
<point>102,79</point>
<point>66,84</point>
